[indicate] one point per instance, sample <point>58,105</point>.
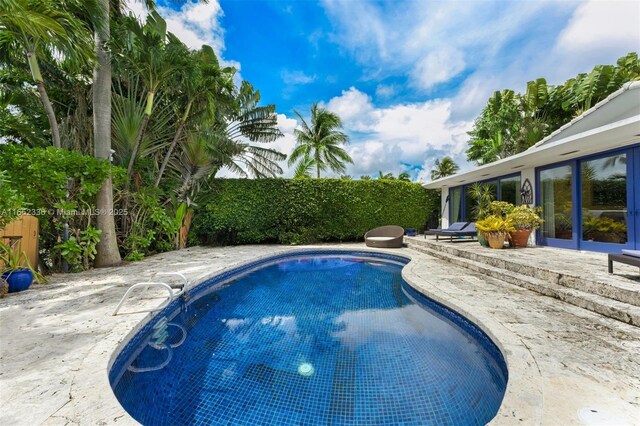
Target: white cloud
<point>385,91</point>
<point>353,107</point>
<point>599,32</point>
<point>297,77</point>
<point>196,24</point>
<point>431,42</point>
<point>438,67</point>
<point>286,143</point>
<point>386,138</point>
<point>599,25</point>
<point>497,44</point>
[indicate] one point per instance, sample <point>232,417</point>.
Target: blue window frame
<point>584,214</point>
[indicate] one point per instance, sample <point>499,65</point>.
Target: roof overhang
<point>611,136</point>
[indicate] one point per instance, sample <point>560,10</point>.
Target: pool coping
<point>522,402</point>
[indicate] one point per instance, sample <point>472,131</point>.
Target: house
<point>585,176</point>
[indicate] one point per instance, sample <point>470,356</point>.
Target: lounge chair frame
<point>623,258</point>
<point>467,230</point>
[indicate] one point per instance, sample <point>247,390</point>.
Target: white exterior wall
<point>444,207</point>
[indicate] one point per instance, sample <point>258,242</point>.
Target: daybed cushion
<point>634,253</point>
<point>381,238</point>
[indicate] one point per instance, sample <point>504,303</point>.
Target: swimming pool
<point>310,338</point>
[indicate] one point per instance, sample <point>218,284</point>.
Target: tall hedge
<point>244,211</point>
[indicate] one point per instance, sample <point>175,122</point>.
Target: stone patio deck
<point>57,340</point>
<point>579,278</point>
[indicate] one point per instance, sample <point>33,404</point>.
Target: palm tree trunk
<point>107,248</point>
<point>44,98</point>
<point>317,165</point>
<point>174,142</point>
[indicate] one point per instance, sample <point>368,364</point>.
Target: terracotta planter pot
<point>496,239</point>
<point>520,237</point>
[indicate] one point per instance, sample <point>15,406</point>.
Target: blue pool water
<point>311,339</point>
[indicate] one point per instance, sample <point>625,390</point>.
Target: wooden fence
<point>23,232</point>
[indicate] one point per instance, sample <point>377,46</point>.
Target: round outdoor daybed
<point>389,236</point>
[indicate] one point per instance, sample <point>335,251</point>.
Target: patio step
<point>626,292</point>
<point>609,307</point>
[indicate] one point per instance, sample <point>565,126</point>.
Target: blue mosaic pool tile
<point>378,356</point>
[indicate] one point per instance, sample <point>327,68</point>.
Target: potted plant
<point>563,225</point>
<point>16,269</point>
<point>524,220</point>
<point>482,193</point>
<point>604,229</point>
<point>495,229</point>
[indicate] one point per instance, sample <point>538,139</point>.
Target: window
<point>455,205</point>
<point>463,204</point>
<point>557,202</point>
<point>510,190</point>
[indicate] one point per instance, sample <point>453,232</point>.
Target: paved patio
<point>565,363</point>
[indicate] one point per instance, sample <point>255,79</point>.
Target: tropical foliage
<point>80,78</point>
<point>444,167</point>
<point>512,122</point>
<point>403,176</point>
<point>319,144</point>
<point>11,201</point>
<point>59,186</point>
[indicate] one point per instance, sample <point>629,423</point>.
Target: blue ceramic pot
<point>482,240</point>
<point>18,279</point>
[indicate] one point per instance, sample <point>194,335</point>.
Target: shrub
<point>57,186</point>
<point>299,211</point>
<point>10,200</point>
<point>524,217</point>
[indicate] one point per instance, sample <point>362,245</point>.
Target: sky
<point>406,77</point>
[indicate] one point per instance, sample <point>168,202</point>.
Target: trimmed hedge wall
<point>300,211</point>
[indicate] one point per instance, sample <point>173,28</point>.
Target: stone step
<point>622,292</point>
<point>608,307</point>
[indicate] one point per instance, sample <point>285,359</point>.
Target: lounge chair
<point>458,230</point>
<point>390,236</point>
<point>628,257</point>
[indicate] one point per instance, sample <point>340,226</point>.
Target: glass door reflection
<point>604,199</point>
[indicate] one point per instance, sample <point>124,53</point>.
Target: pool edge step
<point>609,307</point>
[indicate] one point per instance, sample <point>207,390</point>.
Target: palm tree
<point>321,141</point>
<point>227,143</point>
<point>107,248</point>
<point>42,27</point>
<point>154,55</point>
<point>385,176</point>
<point>404,176</point>
<point>246,123</point>
<point>204,86</point>
<point>444,167</point>
<point>304,169</point>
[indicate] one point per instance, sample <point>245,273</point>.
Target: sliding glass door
<point>607,200</point>
<point>556,198</point>
<point>592,203</point>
